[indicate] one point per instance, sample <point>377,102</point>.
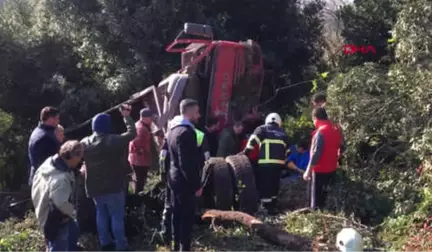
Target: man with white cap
<point>273,148</point>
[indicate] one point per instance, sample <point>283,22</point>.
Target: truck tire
<point>245,183</point>
<point>222,183</point>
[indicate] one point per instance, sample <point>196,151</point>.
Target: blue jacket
<point>301,160</point>
<point>42,144</point>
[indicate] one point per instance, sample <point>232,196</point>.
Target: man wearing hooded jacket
<point>184,174</point>
<point>164,162</point>
<point>106,174</point>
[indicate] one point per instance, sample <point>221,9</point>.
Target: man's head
<point>50,116</point>
<point>59,132</point>
<point>101,123</point>
<point>302,146</point>
<point>238,127</point>
<point>212,124</point>
<point>319,114</point>
<point>189,109</point>
<point>319,100</point>
<point>146,116</point>
<point>72,153</point>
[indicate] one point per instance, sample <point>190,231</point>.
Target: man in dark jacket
<point>43,142</point>
<point>164,164</point>
<point>184,173</point>
<point>106,173</point>
<point>211,134</point>
<point>230,140</point>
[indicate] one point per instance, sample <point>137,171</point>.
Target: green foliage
<point>325,227</point>
<point>369,22</point>
<point>84,56</point>
<point>385,114</point>
<point>21,236</point>
<point>414,39</point>
<point>300,127</point>
<point>6,122</point>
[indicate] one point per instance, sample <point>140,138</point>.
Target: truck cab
<point>225,77</point>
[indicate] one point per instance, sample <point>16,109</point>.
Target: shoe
<point>108,247</point>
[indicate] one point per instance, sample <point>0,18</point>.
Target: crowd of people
<point>185,148</point>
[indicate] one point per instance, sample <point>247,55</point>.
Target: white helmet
<point>348,239</point>
<point>274,118</point>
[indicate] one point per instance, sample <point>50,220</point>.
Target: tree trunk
<point>265,231</point>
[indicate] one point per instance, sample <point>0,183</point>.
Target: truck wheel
<point>222,181</point>
<point>245,183</point>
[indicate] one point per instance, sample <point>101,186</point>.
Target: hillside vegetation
<point>84,56</point>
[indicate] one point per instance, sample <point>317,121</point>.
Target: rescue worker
<point>164,164</point>
<point>273,148</point>
<point>184,173</point>
<point>326,145</point>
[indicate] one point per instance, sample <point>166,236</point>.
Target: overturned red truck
<point>226,78</point>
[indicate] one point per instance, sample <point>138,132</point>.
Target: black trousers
<point>268,179</point>
<point>141,173</point>
<point>184,207</point>
<point>319,188</point>
<point>167,216</point>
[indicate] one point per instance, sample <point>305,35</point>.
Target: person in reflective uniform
<point>273,149</point>
<point>164,161</point>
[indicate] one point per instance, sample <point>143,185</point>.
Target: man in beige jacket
<point>52,191</point>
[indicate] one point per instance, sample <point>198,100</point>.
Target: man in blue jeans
<point>106,173</point>
<point>52,190</point>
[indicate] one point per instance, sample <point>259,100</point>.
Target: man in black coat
<point>43,142</point>
<point>184,174</point>
<point>212,135</point>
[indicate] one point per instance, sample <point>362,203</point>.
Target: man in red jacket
<point>319,100</point>
<point>140,149</point>
<point>327,141</point>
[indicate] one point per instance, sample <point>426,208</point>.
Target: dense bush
<point>84,55</point>
<point>385,113</point>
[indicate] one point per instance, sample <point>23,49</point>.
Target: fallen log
<point>267,232</point>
